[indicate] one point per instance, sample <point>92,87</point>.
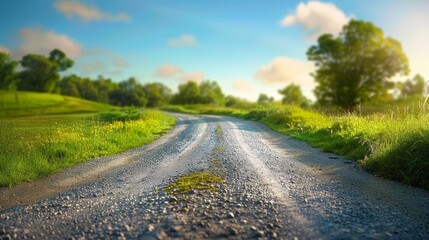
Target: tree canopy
<point>356,65</point>
<point>264,99</point>
<point>59,57</point>
<point>413,87</point>
<point>157,94</point>
<point>292,95</point>
<point>8,79</point>
<point>39,74</point>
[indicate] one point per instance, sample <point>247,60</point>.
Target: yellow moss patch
<point>198,180</point>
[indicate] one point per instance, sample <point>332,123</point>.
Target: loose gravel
<point>275,188</point>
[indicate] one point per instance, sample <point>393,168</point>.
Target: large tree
<point>264,99</point>
<point>157,94</point>
<point>39,74</point>
<point>211,93</point>
<point>8,79</point>
<point>292,95</point>
<point>356,65</point>
<point>59,57</point>
<point>70,85</point>
<point>413,87</point>
<point>104,86</point>
<point>129,93</point>
<point>189,93</point>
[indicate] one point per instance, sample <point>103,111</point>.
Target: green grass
<point>13,104</point>
<point>30,153</point>
<point>197,180</point>
<point>42,133</point>
<point>391,144</point>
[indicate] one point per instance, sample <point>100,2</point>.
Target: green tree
<point>87,89</point>
<point>60,58</point>
<point>264,99</point>
<point>39,74</point>
<point>157,94</point>
<point>355,66</point>
<point>189,93</point>
<point>211,93</point>
<point>104,86</point>
<point>292,94</point>
<point>69,85</point>
<point>413,87</point>
<point>231,101</point>
<point>8,78</point>
<point>129,93</point>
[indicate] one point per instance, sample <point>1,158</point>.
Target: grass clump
<point>197,180</point>
<point>218,130</point>
<point>216,161</point>
<point>220,148</point>
<point>31,153</point>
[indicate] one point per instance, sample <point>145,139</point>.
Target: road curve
<point>276,187</point>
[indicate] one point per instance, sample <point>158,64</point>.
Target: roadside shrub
<point>119,116</point>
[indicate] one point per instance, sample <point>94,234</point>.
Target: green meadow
<point>390,141</point>
<point>41,134</point>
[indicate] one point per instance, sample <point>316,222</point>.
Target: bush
<point>119,116</point>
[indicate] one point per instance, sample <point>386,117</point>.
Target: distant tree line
<point>42,74</point>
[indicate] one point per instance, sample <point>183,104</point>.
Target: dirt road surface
<point>275,188</point>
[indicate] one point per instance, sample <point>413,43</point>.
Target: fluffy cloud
<point>194,76</point>
<point>94,67</point>
<point>4,49</point>
<point>88,13</point>
<point>120,62</point>
<point>39,41</point>
<point>182,41</point>
<point>168,71</point>
<point>317,18</point>
<point>283,71</point>
<point>109,56</point>
<point>242,86</point>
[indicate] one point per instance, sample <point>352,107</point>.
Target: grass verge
<point>28,153</point>
<point>390,146</point>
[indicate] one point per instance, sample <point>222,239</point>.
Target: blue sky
<point>248,47</point>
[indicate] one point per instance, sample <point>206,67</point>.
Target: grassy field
<point>391,143</point>
<point>31,104</point>
<point>39,145</point>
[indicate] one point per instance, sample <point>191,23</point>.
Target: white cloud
<point>4,49</point>
<point>317,18</point>
<point>88,13</point>
<point>283,71</point>
<point>39,41</point>
<point>168,71</point>
<point>94,67</point>
<point>194,76</point>
<point>120,62</point>
<point>183,41</point>
<point>242,86</point>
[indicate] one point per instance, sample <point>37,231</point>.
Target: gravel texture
<point>275,188</point>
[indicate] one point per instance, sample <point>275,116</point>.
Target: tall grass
<point>393,144</point>
<point>27,154</point>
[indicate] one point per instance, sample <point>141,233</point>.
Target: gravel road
<point>275,188</point>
